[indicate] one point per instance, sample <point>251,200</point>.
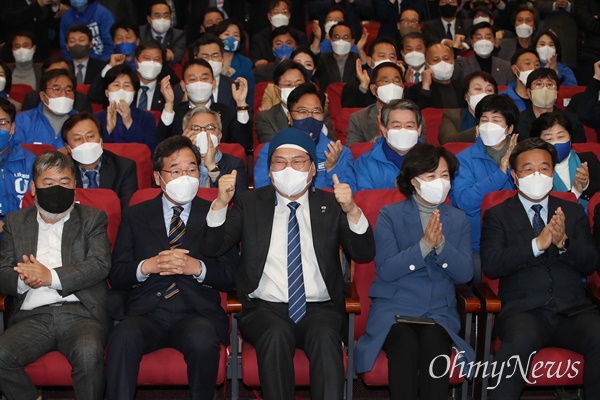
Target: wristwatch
<point>243,108</point>
<point>564,244</point>
<point>217,168</point>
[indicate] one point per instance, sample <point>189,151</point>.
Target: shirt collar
<point>151,85</point>
<point>167,205</point>
<point>282,202</point>
<point>44,226</point>
<point>528,203</point>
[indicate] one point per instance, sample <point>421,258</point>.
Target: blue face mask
<point>231,44</point>
<point>309,74</point>
<point>309,125</point>
<point>283,51</point>
<point>126,48</point>
<point>78,3</point>
<point>4,138</point>
<point>563,150</point>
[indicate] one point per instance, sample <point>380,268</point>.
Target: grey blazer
<point>500,69</point>
<point>174,39</point>
<point>85,257</point>
<point>362,126</point>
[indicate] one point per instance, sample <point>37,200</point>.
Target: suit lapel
<point>29,236</point>
<point>519,218</point>
<point>265,211</point>
<point>413,218</point>
<point>195,222</point>
<point>71,231</point>
<point>318,224</point>
<point>107,172</point>
<point>279,116</point>
<point>157,225</point>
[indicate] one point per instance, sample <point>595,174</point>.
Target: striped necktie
<point>176,232</point>
<point>296,293</point>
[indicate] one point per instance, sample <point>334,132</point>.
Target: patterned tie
<point>176,232</point>
<point>91,175</point>
<point>143,101</point>
<point>538,222</point>
<point>449,32</point>
<point>80,74</point>
<point>417,77</point>
<point>296,294</point>
<point>159,38</point>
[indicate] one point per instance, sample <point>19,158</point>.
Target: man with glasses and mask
<point>306,113</point>
<point>290,280</point>
<point>164,289</point>
<point>43,124</point>
<point>542,88</point>
<point>540,248</point>
<point>54,260</point>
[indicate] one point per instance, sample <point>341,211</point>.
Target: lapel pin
<point>323,209</point>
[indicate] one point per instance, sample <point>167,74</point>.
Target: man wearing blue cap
<point>290,280</point>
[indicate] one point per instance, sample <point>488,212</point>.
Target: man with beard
<point>54,260</point>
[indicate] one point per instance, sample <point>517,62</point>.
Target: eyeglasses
<point>539,85</point>
<point>304,112</point>
<point>296,163</point>
<point>4,122</point>
<point>213,56</point>
<point>387,81</point>
<point>198,128</point>
<point>409,21</point>
<point>58,90</point>
<point>176,173</point>
<point>531,170</point>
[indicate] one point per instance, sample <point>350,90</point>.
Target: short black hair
<point>275,3</point>
<point>127,25</point>
<point>209,10</point>
<point>302,90</point>
<point>548,120</point>
<point>198,61</point>
<point>384,40</point>
<point>8,108</point>
<point>80,28</point>
<point>554,38</point>
<point>341,23</point>
<point>542,73</point>
<point>533,143</point>
<point>526,7</point>
<point>206,39</point>
<point>54,74</point>
<point>487,77</point>
<point>387,64</point>
<point>55,60</point>
<point>77,118</point>
<point>304,50</point>
<point>26,33</point>
<point>154,3</point>
<point>413,35</point>
<point>422,158</point>
<point>515,57</point>
<point>285,66</point>
<point>167,147</point>
<point>151,44</point>
<point>118,70</point>
<point>501,104</point>
<point>337,8</point>
<point>7,76</point>
<point>481,25</point>
<point>284,30</point>
<point>223,25</point>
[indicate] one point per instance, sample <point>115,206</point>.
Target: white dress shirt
<point>530,213</point>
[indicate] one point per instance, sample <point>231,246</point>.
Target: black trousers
<point>526,332</point>
<point>173,324</point>
<point>410,349</point>
<point>275,337</point>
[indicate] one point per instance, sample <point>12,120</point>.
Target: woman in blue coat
<point>423,250</point>
<point>547,46</point>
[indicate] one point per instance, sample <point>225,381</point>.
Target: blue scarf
<point>391,155</point>
<point>559,185</point>
<point>468,121</point>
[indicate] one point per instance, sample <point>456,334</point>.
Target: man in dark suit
<point>159,28</point>
<point>447,29</point>
<point>164,289</point>
<point>79,43</point>
<point>54,260</point>
<point>540,248</point>
<point>96,167</point>
<point>211,49</point>
<point>339,66</point>
<point>311,224</point>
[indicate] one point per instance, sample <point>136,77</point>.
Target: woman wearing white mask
<point>203,127</point>
<point>575,172</point>
<point>484,167</point>
<point>6,84</point>
<point>548,48</point>
<point>122,121</point>
<point>24,70</point>
<point>525,21</point>
<point>416,274</point>
<point>458,124</point>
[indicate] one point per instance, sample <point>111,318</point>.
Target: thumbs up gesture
<point>343,195</point>
<point>226,190</point>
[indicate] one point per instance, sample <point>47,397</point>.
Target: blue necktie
<point>159,38</point>
<point>417,77</point>
<point>91,175</point>
<point>449,32</point>
<point>538,222</point>
<point>176,232</point>
<point>143,102</point>
<point>296,293</point>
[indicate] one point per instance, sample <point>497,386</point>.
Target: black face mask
<point>55,199</point>
<point>448,10</point>
<point>79,51</point>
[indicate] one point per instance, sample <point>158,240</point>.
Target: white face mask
<point>524,31</point>
<point>376,63</point>
<point>87,153</point>
<point>435,191</point>
<point>149,70</point>
<point>183,189</point>
<point>60,105</point>
<point>491,134</point>
<point>483,48</point>
<point>478,20</point>
<point>2,83</point>
<point>474,99</point>
<point>414,59</point>
<point>23,55</point>
<point>199,92</point>
<point>202,143</point>
<point>161,25</point>
<point>545,52</point>
<point>285,93</point>
<point>329,25</point>
<point>523,75</point>
<point>442,71</point>
<point>389,92</point>
<point>536,186</point>
<point>278,20</point>
<point>290,182</point>
<point>121,94</point>
<point>402,139</point>
<point>216,67</point>
<point>341,47</point>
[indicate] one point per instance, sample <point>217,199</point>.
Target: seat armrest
<point>466,299</point>
<point>490,301</point>
<point>233,304</point>
<point>593,292</point>
<point>352,299</point>
<point>2,297</point>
